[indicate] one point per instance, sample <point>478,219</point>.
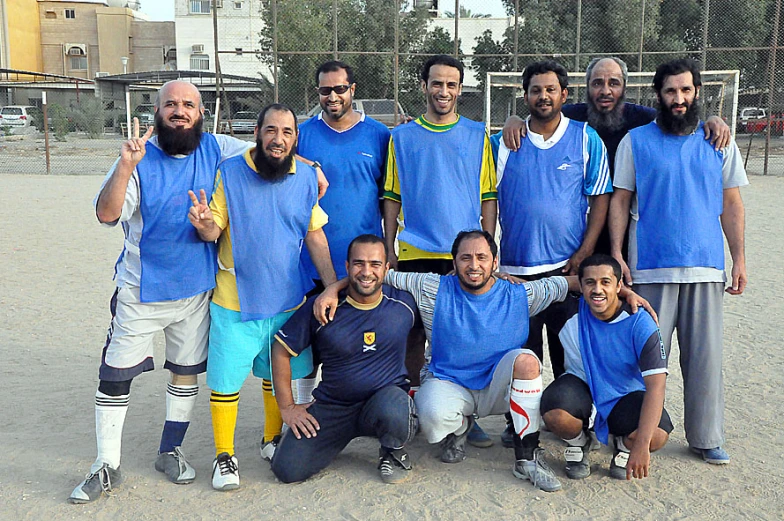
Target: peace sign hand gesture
<point>200,214</point>
<point>133,150</point>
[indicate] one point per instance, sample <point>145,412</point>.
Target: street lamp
<point>124,61</point>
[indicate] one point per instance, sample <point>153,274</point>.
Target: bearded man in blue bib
<point>264,208</point>
<point>146,191</point>
<point>681,194</point>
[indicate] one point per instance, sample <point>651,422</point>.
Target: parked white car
<point>16,116</point>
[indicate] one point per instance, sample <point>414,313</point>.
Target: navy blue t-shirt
<point>362,350</point>
<point>633,116</point>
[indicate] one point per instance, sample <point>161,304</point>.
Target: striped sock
<point>224,420</point>
<point>109,419</point>
<point>273,423</point>
<point>180,400</point>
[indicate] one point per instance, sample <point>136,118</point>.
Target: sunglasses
<point>339,89</point>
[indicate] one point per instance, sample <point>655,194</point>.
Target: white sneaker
<point>225,472</point>
<point>268,448</point>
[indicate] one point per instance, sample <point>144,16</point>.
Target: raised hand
<point>133,150</point>
<point>200,214</point>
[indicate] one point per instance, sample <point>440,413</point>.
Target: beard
<point>178,141</point>
<point>611,121</point>
<point>271,169</point>
<point>679,125</point>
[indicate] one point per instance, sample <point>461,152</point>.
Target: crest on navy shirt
<point>370,341</point>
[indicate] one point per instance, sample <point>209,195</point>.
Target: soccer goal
<point>719,94</point>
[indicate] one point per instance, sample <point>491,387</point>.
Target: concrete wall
<point>150,41</point>
<point>114,32</point>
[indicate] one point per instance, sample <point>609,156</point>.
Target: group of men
<point>213,257</point>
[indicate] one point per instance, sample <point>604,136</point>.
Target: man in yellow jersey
<point>440,172</point>
<point>260,283</point>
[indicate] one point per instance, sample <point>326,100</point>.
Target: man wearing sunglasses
<point>352,150</point>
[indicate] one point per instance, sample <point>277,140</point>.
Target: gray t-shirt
<point>129,269</point>
<point>733,175</point>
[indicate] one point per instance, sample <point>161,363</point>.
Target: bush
<point>89,117</point>
<point>60,124</point>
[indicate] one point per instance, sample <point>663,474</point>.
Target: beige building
<point>89,38</point>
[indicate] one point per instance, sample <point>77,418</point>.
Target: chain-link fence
<point>280,43</point>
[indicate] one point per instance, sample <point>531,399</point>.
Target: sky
<point>161,10</point>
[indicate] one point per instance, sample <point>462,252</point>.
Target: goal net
<point>504,95</point>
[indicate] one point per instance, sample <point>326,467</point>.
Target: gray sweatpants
<point>696,311</point>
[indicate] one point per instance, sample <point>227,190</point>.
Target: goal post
<point>719,94</point>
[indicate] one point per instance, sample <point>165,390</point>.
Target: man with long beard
<point>146,191</point>
<point>264,207</point>
<point>681,194</point>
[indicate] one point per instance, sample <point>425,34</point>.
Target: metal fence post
<point>772,83</point>
<point>514,60</point>
<point>457,30</point>
<point>46,133</point>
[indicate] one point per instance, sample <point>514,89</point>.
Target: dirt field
<point>57,266</point>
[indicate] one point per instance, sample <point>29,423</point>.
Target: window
<point>70,13</point>
<point>237,5</point>
<point>200,6</point>
<point>51,15</point>
<point>200,62</point>
<point>78,63</point>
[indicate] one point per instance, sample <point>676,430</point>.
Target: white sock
<point>109,419</point>
<point>304,388</point>
<point>619,443</point>
<point>524,402</point>
<point>180,400</point>
<point>578,441</point>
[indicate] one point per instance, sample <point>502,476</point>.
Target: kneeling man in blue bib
<point>616,371</point>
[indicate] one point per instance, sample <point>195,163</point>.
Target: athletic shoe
<point>176,467</point>
<point>393,465</point>
<point>507,437</point>
<point>453,447</point>
<point>577,464</point>
<point>225,472</point>
<point>618,464</point>
<point>537,471</point>
<point>96,482</point>
<point>479,438</point>
<point>268,448</point>
<point>715,456</point>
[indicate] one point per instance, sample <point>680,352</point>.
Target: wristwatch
<point>316,164</point>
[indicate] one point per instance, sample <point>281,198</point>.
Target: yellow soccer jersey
<point>487,181</point>
<point>225,294</point>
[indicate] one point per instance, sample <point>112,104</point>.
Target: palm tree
<point>465,13</point>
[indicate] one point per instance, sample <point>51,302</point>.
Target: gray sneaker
<point>453,447</point>
<point>96,482</point>
<point>176,467</point>
<point>537,471</point>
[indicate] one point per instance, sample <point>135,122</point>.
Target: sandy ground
<point>57,265</point>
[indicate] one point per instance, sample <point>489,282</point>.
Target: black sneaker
<point>507,437</point>
<point>577,464</point>
<point>393,464</point>
<point>453,447</point>
<point>96,483</point>
<point>618,463</point>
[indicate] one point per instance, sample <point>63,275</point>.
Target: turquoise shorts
<point>237,347</point>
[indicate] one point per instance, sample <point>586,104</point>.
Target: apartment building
<point>20,35</point>
<point>239,25</point>
<point>89,38</point>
